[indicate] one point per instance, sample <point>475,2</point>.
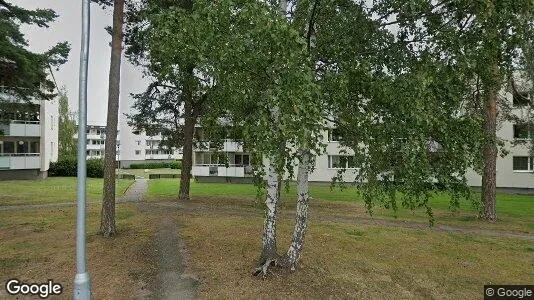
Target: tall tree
<point>66,129</point>
<point>107,216</point>
<point>483,41</point>
<point>171,52</point>
<point>23,73</point>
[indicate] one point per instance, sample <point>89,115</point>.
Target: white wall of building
<point>49,116</point>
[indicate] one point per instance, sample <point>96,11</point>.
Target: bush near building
<point>160,165</point>
<point>68,167</point>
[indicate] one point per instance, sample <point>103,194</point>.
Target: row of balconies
<point>21,128</point>
<point>20,161</point>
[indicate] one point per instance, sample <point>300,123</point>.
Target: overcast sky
<point>67,27</point>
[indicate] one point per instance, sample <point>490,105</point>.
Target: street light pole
<point>82,281</point>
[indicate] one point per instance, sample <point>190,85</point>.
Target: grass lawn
<point>52,190</point>
<point>141,172</point>
<point>352,261</point>
<point>222,235</point>
<point>514,211</point>
<point>39,244</point>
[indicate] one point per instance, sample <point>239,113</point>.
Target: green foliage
<point>67,167</point>
<point>95,168</point>
<point>22,72</point>
<point>67,147</point>
<point>159,165</point>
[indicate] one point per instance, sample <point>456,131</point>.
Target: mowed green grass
<point>515,211</point>
<point>52,190</point>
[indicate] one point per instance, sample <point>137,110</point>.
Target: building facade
<point>28,137</point>
<point>514,171</point>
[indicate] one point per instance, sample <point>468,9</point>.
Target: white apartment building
<point>514,171</point>
<point>137,147</point>
<point>29,138</point>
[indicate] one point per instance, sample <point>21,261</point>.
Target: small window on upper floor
<point>521,132</point>
<point>334,135</point>
<point>136,132</point>
<point>521,99</point>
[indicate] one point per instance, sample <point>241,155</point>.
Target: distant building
<point>136,147</point>
<point>132,147</point>
<point>28,137</point>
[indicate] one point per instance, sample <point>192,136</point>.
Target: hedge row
<point>160,165</point>
<point>68,167</point>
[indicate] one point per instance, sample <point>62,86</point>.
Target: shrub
<point>175,165</point>
<point>68,167</point>
<point>157,165</point>
<point>95,168</point>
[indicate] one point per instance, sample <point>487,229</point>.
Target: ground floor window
<point>233,159</point>
<point>19,147</point>
<point>523,163</point>
<point>341,161</point>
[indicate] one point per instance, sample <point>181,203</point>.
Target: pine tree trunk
<point>490,155</point>
<point>269,228</point>
<point>189,128</point>
<point>107,217</point>
<point>303,199</point>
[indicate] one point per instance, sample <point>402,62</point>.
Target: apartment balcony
<point>20,161</point>
<point>160,156</point>
<point>228,145</point>
<point>96,147</point>
<point>222,171</point>
<point>21,128</point>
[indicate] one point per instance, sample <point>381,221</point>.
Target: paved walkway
<point>136,191</point>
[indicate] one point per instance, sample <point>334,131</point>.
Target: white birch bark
<point>269,226</point>
<point>303,199</point>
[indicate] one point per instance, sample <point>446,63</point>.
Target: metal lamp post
<point>82,281</point>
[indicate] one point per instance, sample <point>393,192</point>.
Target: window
<point>136,132</point>
<point>137,152</point>
<point>334,135</point>
<point>521,99</point>
<point>241,159</point>
<point>52,122</point>
<point>521,131</point>
<point>341,161</point>
<point>138,142</point>
<point>9,147</point>
<point>523,163</point>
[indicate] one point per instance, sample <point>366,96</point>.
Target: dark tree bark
<point>490,153</point>
<point>189,128</point>
<point>107,217</point>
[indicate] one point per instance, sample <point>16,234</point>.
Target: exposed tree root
<point>263,269</point>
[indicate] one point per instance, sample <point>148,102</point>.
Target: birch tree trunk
<point>301,224</point>
<point>269,226</point>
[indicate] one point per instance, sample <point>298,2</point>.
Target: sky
<point>67,27</point>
